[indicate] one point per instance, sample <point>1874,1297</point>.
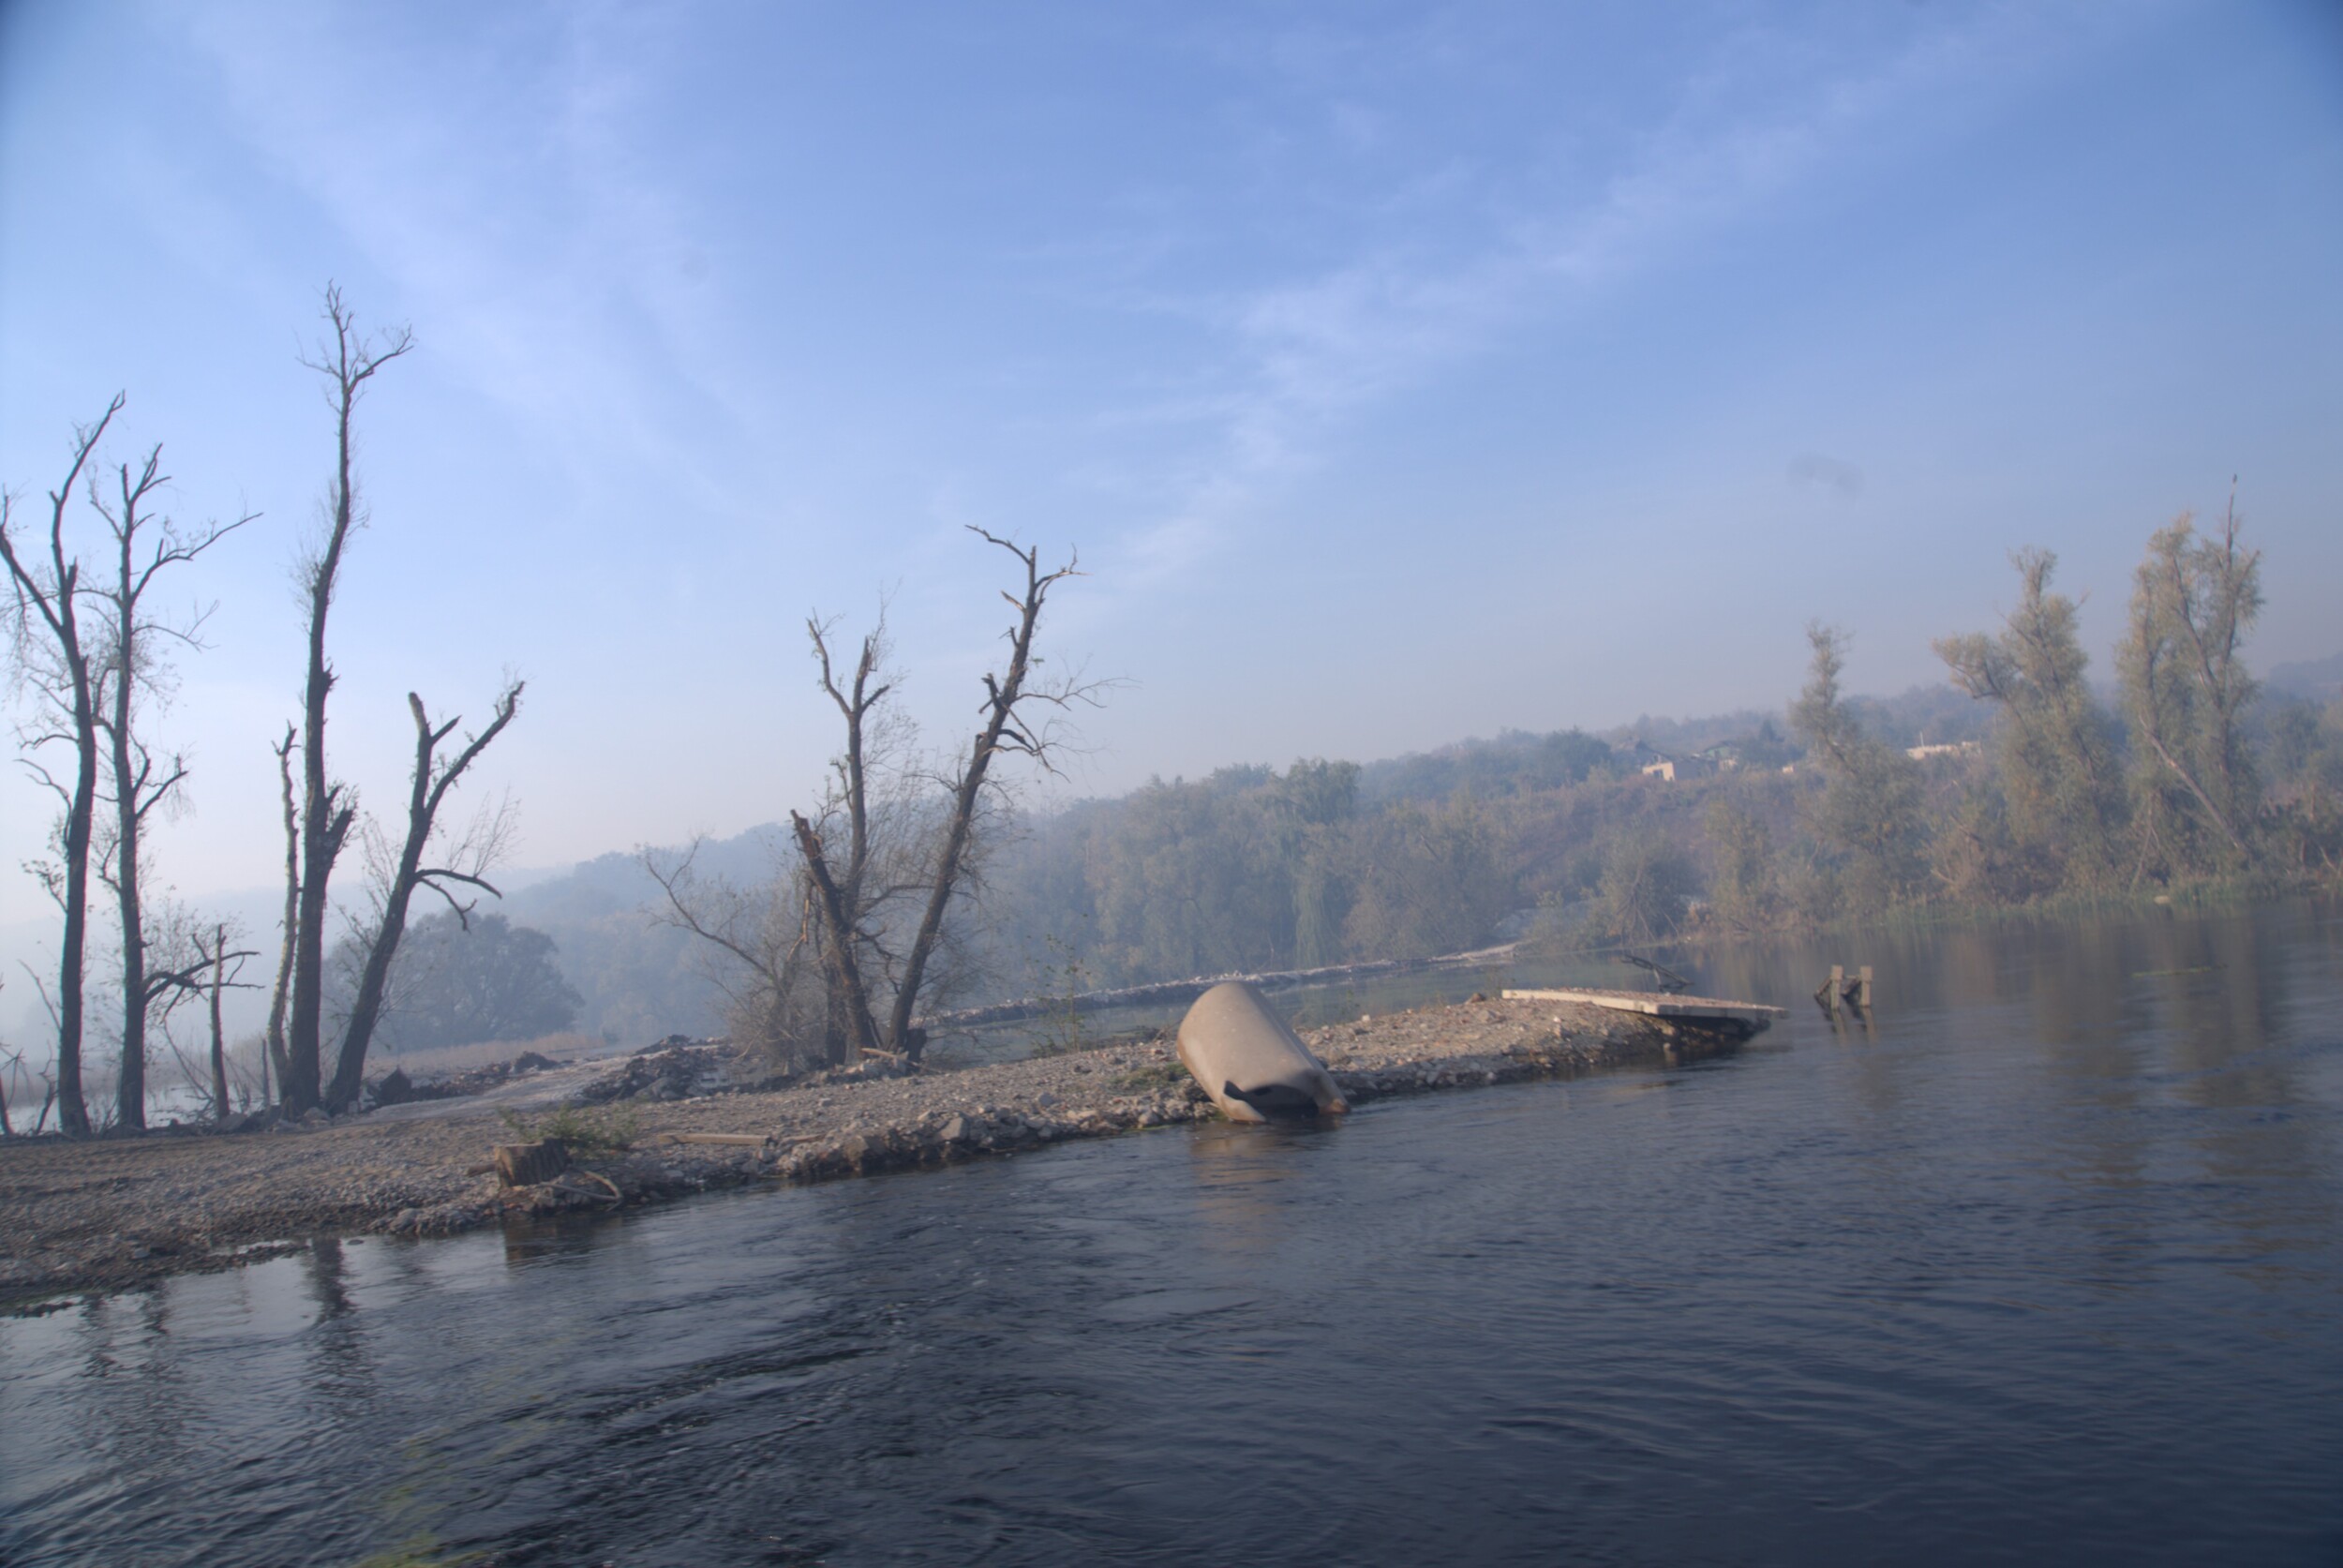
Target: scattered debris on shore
<point>106,1215</point>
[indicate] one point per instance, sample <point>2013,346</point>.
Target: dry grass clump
<point>584,1131</point>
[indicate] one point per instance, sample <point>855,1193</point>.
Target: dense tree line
<point>2038,780</point>
<point>2185,774</point>
<point>1250,869</point>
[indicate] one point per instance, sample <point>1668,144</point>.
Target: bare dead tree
<point>48,1073</point>
<point>11,1066</point>
<point>1016,712</point>
<point>138,680</point>
<point>213,954</point>
<point>756,944</point>
<point>881,805</point>
<point>433,778</point>
<point>273,1039</point>
<point>858,924</point>
<point>349,360</point>
<point>51,657</point>
<point>172,975</point>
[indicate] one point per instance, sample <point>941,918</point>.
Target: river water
<point>2044,1265</point>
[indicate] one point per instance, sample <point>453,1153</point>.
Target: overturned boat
<point>1250,1062</point>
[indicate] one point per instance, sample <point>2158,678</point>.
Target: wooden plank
<point>1656,1004</point>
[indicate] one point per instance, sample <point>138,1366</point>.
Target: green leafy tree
<point>2186,692</point>
<point>1426,882</point>
<point>1741,889</point>
<point>2054,748</point>
<point>1870,813</point>
<point>1646,881</point>
<point>459,981</point>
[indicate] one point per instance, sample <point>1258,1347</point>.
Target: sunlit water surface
<point>2044,1268</point>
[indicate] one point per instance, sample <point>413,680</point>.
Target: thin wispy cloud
<point>729,310</point>
<point>1303,355</point>
<point>504,194</point>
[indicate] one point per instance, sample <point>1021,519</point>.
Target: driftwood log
<point>526,1164</point>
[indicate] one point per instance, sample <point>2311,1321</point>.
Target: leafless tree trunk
<point>11,1063</point>
<point>433,777</point>
<point>54,658</point>
<point>215,957</point>
<point>844,906</point>
<point>1008,728</point>
<point>273,1040</point>
<point>841,933</point>
<point>144,546</point>
<point>882,862</point>
<point>349,360</point>
<point>220,1040</point>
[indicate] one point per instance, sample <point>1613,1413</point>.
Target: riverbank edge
<point>926,1121</point>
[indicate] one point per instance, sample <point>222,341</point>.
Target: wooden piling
<point>1837,991</point>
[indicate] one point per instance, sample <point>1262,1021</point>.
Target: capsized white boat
<point>1250,1062</point>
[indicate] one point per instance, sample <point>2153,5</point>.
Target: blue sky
<point>1401,372</point>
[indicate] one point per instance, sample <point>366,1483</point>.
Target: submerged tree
<point>2055,754</point>
<point>2187,690</point>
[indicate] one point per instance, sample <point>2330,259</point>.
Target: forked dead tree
<point>52,657</point>
<point>1016,711</point>
<point>433,776</point>
<point>841,943</point>
<point>349,360</point>
<point>213,958</point>
<point>137,681</point>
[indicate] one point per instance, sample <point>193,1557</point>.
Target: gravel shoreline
<point>105,1216</point>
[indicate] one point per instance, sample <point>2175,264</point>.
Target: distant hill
<point>2319,680</point>
<point>638,978</point>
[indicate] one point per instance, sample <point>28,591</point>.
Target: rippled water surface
<point>2045,1265</point>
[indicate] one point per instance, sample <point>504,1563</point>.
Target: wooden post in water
<point>1837,991</point>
